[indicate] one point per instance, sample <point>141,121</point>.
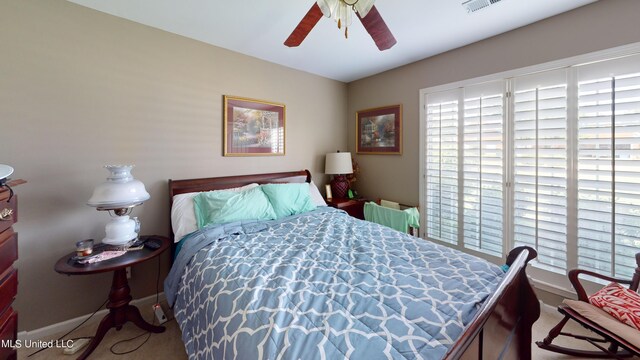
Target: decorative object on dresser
<point>353,177</point>
<point>379,130</point>
<point>339,164</point>
<point>253,127</point>
<point>327,191</point>
<point>120,311</point>
<point>119,194</point>
<point>353,207</point>
<point>8,255</point>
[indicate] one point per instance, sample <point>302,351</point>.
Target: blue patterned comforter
<point>322,285</point>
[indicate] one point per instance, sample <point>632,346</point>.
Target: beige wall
<point>601,25</point>
<point>80,89</point>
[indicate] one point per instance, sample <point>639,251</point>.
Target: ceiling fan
<point>341,12</point>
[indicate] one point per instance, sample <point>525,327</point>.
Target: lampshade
<point>120,193</point>
<point>338,163</point>
<point>5,171</point>
<point>120,190</point>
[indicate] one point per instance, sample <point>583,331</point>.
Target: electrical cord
<point>74,329</point>
<point>114,352</point>
<point>148,333</point>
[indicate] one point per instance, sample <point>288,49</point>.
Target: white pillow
<point>183,216</point>
<point>316,197</point>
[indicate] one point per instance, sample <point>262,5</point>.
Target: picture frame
<point>253,127</point>
<point>379,130</point>
<point>327,190</point>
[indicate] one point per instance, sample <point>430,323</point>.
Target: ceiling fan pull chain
<point>346,32</point>
<point>339,24</point>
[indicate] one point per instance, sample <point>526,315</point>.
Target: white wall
<point>80,89</point>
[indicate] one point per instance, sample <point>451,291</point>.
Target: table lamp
<point>5,172</point>
<point>119,195</point>
<point>338,164</point>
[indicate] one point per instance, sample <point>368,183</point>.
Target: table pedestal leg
<point>119,312</point>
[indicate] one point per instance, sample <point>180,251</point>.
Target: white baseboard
<point>552,288</point>
<point>62,327</point>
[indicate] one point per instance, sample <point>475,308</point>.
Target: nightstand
<point>353,207</point>
<point>120,311</point>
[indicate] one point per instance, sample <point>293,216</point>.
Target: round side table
<point>120,311</point>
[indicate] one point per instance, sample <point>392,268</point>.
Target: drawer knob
<point>5,214</point>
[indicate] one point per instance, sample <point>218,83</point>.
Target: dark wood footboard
<point>502,328</point>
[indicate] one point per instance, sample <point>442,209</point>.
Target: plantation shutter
<point>442,166</point>
<point>549,159</point>
<point>609,166</point>
<point>540,166</point>
<point>483,167</point>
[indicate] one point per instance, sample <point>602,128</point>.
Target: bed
<point>325,285</point>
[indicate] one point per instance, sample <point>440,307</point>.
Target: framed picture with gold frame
<point>379,130</point>
<point>253,127</point>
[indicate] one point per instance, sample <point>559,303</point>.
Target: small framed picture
<point>327,189</point>
<point>379,130</point>
<point>253,127</point>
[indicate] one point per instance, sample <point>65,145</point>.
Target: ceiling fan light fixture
<point>327,7</point>
<point>342,15</point>
<point>341,12</point>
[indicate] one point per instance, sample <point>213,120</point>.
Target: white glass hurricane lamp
<point>5,172</point>
<point>119,195</point>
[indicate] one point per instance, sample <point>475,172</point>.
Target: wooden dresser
<point>8,274</point>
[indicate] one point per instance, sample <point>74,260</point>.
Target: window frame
<point>555,283</point>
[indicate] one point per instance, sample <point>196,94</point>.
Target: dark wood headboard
<point>225,182</point>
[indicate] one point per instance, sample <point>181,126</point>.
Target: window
<point>540,167</point>
<point>464,167</point>
<point>483,169</point>
<point>549,160</point>
<point>609,166</point>
<point>442,167</point>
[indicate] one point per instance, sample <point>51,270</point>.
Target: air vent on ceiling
<point>475,5</point>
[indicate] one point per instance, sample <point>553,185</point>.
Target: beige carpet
<point>168,345</point>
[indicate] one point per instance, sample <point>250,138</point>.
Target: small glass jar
<point>84,247</point>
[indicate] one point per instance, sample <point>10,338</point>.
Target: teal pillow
<point>220,206</point>
<point>289,199</point>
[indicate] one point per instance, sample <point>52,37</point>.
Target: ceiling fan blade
<point>377,28</point>
<point>304,27</point>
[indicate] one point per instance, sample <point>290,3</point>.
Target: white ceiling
<point>259,28</point>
